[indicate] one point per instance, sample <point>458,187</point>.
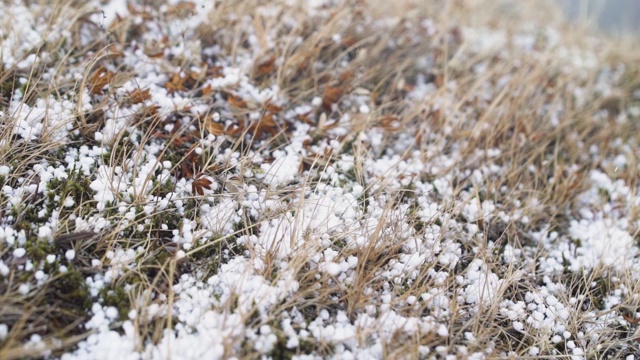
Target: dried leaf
<point>389,122</point>
<point>99,79</point>
<point>237,101</point>
<point>200,184</point>
<point>267,120</point>
<point>631,319</point>
<point>267,67</point>
<point>346,76</point>
<point>235,130</point>
<point>207,90</point>
<point>214,128</point>
<point>215,72</point>
<point>265,126</point>
<point>177,83</point>
<point>272,107</point>
<point>305,118</point>
<point>138,96</point>
<point>332,95</point>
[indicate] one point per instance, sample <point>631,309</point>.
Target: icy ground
<point>197,182</point>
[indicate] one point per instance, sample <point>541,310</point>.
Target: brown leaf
<point>267,120</point>
<point>138,96</point>
<point>332,95</point>
<point>346,76</point>
<point>237,101</point>
<point>305,118</point>
<point>177,83</point>
<point>265,126</point>
<point>235,130</point>
<point>214,128</point>
<point>267,67</point>
<point>388,122</point>
<point>215,72</point>
<point>272,107</point>
<point>199,185</point>
<point>99,79</point>
<point>207,90</point>
<point>630,319</point>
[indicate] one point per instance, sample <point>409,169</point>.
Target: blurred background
<point>617,17</point>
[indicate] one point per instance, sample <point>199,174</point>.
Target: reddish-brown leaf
<point>237,101</point>
<point>138,96</point>
<point>332,95</point>
<point>177,83</point>
<point>214,128</point>
<point>346,76</point>
<point>267,67</point>
<point>388,122</point>
<point>272,108</point>
<point>630,319</point>
<point>207,90</point>
<point>265,126</point>
<point>99,79</point>
<point>199,185</point>
<point>215,72</point>
<point>267,120</point>
<point>305,118</point>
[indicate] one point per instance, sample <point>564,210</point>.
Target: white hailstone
<point>4,331</point>
<point>70,254</point>
<point>518,325</point>
<point>19,252</point>
<point>111,312</point>
<point>39,275</point>
<point>23,289</point>
<point>133,314</point>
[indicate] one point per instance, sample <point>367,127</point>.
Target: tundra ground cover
<point>318,179</point>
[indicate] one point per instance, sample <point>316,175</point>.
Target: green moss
<point>26,218</point>
<point>37,249</point>
<point>118,298</point>
<point>69,297</point>
<point>162,190</point>
<point>140,214</point>
<point>594,287</point>
<point>210,257</point>
<point>191,209</point>
<point>281,351</point>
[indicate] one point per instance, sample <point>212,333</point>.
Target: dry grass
<point>499,125</point>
